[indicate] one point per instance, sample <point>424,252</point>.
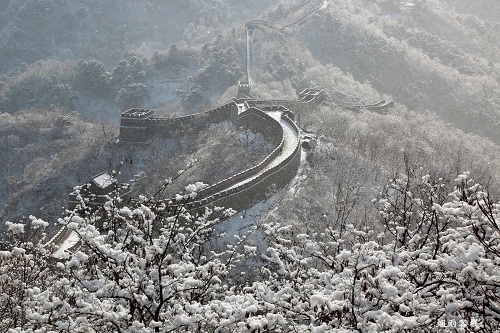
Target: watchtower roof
<point>103,180</point>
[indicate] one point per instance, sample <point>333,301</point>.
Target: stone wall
<point>257,121</point>
<point>58,237</point>
<point>146,127</point>
<point>309,100</point>
<point>381,106</point>
<point>141,125</point>
<point>257,189</point>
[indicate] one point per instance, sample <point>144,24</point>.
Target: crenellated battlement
<point>138,113</point>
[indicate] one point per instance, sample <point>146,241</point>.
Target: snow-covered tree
<point>25,270</point>
<point>438,268</point>
<point>149,268</point>
<point>155,267</point>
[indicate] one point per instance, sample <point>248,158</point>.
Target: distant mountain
<point>423,54</point>
<point>32,30</point>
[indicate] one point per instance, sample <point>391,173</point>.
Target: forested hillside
<point>391,223</point>
<point>36,30</point>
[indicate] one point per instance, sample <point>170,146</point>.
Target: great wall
<point>274,119</point>
<point>269,117</point>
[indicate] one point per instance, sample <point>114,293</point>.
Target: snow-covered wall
<point>259,185</point>
<point>241,190</point>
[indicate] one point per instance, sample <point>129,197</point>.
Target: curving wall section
<point>253,184</point>
<point>238,191</point>
<point>256,121</point>
<point>381,106</point>
<point>260,179</point>
<point>241,190</point>
<point>301,19</point>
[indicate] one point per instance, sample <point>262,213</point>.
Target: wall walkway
<point>242,190</point>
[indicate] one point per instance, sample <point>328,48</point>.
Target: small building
<point>288,113</point>
<point>97,191</point>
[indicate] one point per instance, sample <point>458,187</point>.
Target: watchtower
<point>311,95</point>
<point>244,91</point>
<point>133,124</point>
<point>97,191</point>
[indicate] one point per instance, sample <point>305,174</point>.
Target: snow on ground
<point>245,223</point>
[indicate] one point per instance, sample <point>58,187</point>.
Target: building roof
<point>103,180</point>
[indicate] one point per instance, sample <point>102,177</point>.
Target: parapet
<point>140,125</point>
